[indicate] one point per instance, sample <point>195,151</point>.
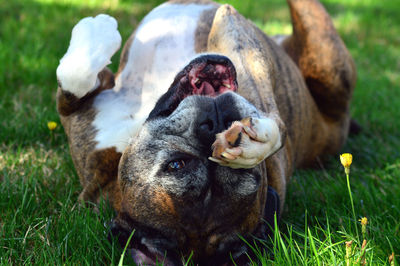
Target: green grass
<point>40,221</point>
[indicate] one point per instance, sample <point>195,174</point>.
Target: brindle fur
<point>305,87</point>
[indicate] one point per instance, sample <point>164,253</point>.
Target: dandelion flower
<point>51,125</point>
<point>364,221</point>
<point>346,159</point>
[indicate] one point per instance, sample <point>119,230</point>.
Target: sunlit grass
<point>40,222</point>
<point>109,4</point>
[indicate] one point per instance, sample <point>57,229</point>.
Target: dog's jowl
<point>194,139</point>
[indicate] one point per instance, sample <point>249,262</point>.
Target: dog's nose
<point>216,116</point>
<point>208,124</point>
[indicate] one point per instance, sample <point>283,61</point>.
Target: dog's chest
<point>163,44</point>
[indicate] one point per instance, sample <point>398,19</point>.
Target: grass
<point>40,222</point>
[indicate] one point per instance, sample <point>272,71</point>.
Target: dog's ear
<point>166,104</point>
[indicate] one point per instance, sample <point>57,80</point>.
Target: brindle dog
<point>195,138</point>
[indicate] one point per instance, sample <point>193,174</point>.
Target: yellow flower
<point>51,125</point>
<point>346,159</point>
<point>364,221</point>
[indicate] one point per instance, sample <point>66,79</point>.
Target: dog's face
<point>175,198</point>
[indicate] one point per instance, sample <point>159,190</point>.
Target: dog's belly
<point>163,44</point>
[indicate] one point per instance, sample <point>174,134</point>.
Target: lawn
<point>40,221</point>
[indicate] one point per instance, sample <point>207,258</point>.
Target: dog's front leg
<point>82,70</point>
<point>250,141</point>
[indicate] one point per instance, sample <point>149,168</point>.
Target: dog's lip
<point>144,256</point>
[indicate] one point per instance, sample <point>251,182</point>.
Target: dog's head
<point>178,201</point>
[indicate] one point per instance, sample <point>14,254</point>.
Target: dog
<point>194,139</point>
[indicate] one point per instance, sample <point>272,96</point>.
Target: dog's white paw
<point>246,143</point>
<point>94,41</point>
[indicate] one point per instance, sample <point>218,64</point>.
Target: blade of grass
<point>121,260</point>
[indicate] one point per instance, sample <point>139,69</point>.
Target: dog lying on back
<point>194,139</point>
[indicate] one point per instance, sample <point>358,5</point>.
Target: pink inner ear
<point>210,80</point>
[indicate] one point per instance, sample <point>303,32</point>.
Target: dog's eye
<point>176,165</point>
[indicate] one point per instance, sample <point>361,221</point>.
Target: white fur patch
<point>271,135</point>
<point>115,121</point>
<point>163,45</point>
<point>254,152</point>
<point>93,42</point>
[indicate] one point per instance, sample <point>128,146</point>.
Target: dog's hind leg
<point>81,75</point>
<point>325,63</point>
<point>82,72</point>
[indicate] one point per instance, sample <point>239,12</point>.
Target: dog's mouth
<point>145,257</point>
<point>207,75</point>
<point>211,76</point>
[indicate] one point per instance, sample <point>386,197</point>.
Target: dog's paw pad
<point>229,138</point>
